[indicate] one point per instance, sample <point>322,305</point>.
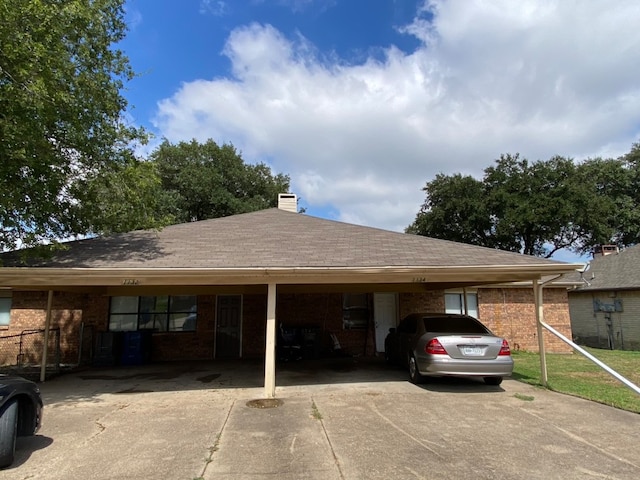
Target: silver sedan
<point>439,344</point>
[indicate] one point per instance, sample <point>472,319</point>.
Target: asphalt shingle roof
<point>271,238</point>
<point>611,272</point>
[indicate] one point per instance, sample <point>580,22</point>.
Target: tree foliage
<point>179,183</point>
<point>61,113</point>
<point>457,210</point>
<point>125,198</point>
<point>205,180</point>
<point>537,208</point>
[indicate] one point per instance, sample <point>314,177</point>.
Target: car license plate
<point>473,351</point>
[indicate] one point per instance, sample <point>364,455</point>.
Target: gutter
<point>46,276</point>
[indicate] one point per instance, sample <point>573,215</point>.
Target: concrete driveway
<point>338,420</point>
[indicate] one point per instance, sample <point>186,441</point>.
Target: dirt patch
<point>134,390</point>
<point>265,403</point>
<point>208,378</point>
<point>151,376</point>
<point>169,374</point>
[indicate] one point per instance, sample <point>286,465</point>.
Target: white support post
<point>538,299</point>
<point>43,363</point>
<point>270,350</point>
<point>464,301</point>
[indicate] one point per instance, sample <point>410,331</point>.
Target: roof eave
<point>51,277</point>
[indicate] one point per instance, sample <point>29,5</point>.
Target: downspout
<point>270,350</point>
<point>538,300</point>
<point>43,363</point>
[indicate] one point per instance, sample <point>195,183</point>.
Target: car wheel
<point>493,380</point>
<point>8,432</point>
<point>414,374</point>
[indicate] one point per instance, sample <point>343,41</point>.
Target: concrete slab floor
<point>345,419</point>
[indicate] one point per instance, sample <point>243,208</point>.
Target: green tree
<point>205,180</point>
<point>455,209</point>
<point>61,113</point>
<point>607,209</point>
<point>537,208</point>
<point>629,232</point>
<point>532,205</point>
<point>125,198</point>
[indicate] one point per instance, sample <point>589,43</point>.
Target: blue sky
<point>168,45</point>
<point>362,102</point>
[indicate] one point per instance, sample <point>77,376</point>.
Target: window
<point>5,311</point>
<point>454,325</point>
<point>161,314</point>
<point>355,311</point>
<point>454,303</point>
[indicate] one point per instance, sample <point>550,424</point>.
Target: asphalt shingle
<point>271,238</point>
<point>612,272</point>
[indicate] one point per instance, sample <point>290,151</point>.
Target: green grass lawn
<point>576,375</point>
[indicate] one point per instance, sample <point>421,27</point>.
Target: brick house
<point>227,287</point>
<point>605,306</point>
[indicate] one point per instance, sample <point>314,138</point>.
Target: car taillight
<point>505,350</point>
<point>434,347</point>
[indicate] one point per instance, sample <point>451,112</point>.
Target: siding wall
<point>508,312</point>
<point>590,328</point>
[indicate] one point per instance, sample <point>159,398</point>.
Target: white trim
<point>270,347</point>
<point>538,300</point>
<point>45,343</point>
<point>43,278</point>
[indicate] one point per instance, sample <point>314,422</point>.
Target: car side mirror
<point>392,330</point>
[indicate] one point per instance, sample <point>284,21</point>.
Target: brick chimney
<point>604,250</point>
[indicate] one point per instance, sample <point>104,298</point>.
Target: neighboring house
<point>605,308</point>
<point>218,288</point>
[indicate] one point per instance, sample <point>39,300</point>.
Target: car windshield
<point>454,325</point>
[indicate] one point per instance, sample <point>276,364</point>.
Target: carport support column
<point>464,301</point>
<point>537,296</point>
<point>270,351</point>
<point>45,345</point>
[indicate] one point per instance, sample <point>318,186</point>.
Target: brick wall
<point>324,312</point>
<point>432,301</point>
<point>510,313</point>
<point>68,311</point>
<point>196,345</point>
<point>591,328</point>
<point>254,326</point>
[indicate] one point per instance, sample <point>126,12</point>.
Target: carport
<point>271,252</point>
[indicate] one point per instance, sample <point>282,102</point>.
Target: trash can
<point>108,349</point>
<point>136,347</point>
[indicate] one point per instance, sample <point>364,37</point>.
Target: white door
<point>385,315</point>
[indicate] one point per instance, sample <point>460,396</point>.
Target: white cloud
<point>300,6</point>
<point>213,7</point>
<point>133,18</point>
<point>536,77</point>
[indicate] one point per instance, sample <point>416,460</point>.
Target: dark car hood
<point>14,380</point>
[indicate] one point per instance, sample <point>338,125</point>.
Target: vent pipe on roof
<point>288,202</point>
